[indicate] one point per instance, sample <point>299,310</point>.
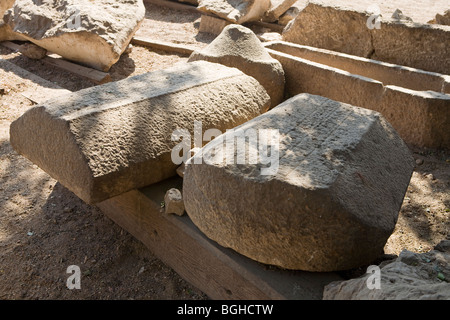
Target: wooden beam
<point>99,77</point>
<point>219,272</point>
<point>174,5</point>
<point>94,75</point>
<point>272,26</point>
<point>162,45</point>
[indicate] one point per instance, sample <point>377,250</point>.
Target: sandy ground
<point>44,228</point>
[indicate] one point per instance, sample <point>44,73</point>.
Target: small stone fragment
<point>173,202</point>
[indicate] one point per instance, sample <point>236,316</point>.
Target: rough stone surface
<point>238,47</point>
<point>412,276</point>
<point>443,19</point>
<point>330,204</point>
<point>352,30</point>
<point>288,16</point>
<point>236,11</point>
<point>5,5</point>
<point>32,51</point>
<point>277,8</point>
<point>340,29</point>
<point>173,202</point>
<point>212,24</point>
<point>92,33</point>
<point>105,140</point>
<point>426,109</point>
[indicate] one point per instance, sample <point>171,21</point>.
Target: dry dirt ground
<point>44,228</point>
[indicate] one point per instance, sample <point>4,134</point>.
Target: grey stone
<point>328,200</point>
<point>173,202</point>
<point>238,47</point>
<point>277,8</point>
<point>412,276</point>
<point>105,140</point>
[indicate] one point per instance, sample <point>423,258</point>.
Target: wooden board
<point>174,5</point>
<point>161,45</point>
<point>94,75</point>
<point>219,272</point>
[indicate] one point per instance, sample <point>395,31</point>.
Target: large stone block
<point>419,117</point>
<point>353,29</point>
<point>102,141</point>
<point>92,33</point>
<point>328,199</point>
<point>235,11</point>
<point>238,47</point>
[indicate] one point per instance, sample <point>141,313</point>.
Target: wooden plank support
<point>174,5</point>
<point>94,75</point>
<point>219,272</point>
<point>162,45</point>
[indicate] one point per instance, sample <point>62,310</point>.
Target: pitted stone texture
<point>331,204</point>
<point>91,33</point>
<point>236,11</point>
<point>238,47</point>
<point>102,141</point>
<point>412,276</point>
<point>354,29</point>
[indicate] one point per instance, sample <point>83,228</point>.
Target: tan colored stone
<point>331,201</point>
<point>277,8</point>
<point>212,24</point>
<point>173,202</point>
<point>353,30</point>
<point>91,33</point>
<point>238,47</point>
<point>105,140</point>
<point>288,16</point>
<point>32,51</point>
<point>420,117</point>
<point>235,11</point>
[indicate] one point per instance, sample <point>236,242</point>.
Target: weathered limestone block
<point>350,29</point>
<point>238,47</point>
<point>329,27</point>
<point>421,46</point>
<point>327,200</point>
<point>442,18</point>
<point>420,116</point>
<point>102,141</point>
<point>32,51</point>
<point>412,276</point>
<point>236,11</point>
<point>91,33</point>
